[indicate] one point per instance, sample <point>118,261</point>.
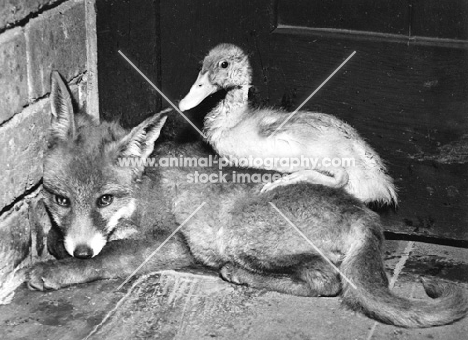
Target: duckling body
<point>320,148</point>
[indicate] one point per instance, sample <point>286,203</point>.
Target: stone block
<point>12,11</point>
<point>13,73</point>
<point>15,243</point>
<point>22,141</point>
<point>56,40</point>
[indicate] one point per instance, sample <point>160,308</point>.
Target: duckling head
<point>225,67</point>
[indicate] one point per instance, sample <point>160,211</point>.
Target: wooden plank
<point>133,27</point>
<point>440,19</point>
<point>408,101</point>
<point>384,16</point>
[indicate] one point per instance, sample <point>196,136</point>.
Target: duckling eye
<point>224,64</point>
<point>62,201</point>
<point>105,200</point>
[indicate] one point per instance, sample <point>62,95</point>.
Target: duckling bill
<point>201,89</point>
<point>235,129</point>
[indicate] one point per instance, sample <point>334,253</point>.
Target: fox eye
<point>62,201</point>
<point>224,64</point>
<point>105,200</point>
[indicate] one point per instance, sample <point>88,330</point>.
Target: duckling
<point>337,156</point>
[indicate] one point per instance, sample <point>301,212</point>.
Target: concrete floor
<point>199,305</point>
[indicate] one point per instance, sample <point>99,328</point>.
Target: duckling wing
<point>310,124</point>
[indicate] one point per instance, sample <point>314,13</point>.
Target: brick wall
<point>36,37</point>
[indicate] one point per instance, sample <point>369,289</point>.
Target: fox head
<point>85,189</point>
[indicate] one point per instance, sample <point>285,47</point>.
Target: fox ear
<point>63,122</point>
<point>140,141</point>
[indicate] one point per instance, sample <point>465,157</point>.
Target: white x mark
<point>160,92</point>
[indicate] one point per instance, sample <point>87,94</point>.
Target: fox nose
<point>82,251</point>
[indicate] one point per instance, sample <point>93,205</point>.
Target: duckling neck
<point>227,114</point>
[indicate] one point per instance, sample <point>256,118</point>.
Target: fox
<point>108,218</point>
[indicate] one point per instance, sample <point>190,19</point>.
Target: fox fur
<point>108,219</point>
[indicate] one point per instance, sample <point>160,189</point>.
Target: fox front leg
<point>56,274</point>
<point>117,260</point>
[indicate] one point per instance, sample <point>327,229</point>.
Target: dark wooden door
<point>405,90</point>
<point>131,26</point>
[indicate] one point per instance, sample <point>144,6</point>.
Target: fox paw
<point>40,277</point>
<point>231,273</point>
